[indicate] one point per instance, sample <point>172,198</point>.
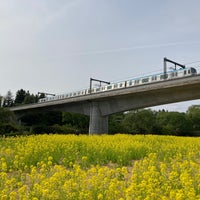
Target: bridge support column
<point>98,123</point>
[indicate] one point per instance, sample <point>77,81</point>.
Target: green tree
<point>193,114</point>
<point>140,122</point>
<point>1,101</point>
<point>79,121</point>
<point>24,97</point>
<point>20,96</point>
<point>8,99</point>
<point>115,124</point>
<point>30,98</point>
<point>7,121</point>
<point>6,116</point>
<point>42,118</point>
<point>173,123</point>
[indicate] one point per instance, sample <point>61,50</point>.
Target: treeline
<point>147,121</point>
<point>21,97</point>
<point>39,123</point>
<point>144,121</point>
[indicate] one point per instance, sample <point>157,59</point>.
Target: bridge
<point>100,105</point>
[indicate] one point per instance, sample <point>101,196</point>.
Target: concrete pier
<point>98,123</point>
<point>100,105</point>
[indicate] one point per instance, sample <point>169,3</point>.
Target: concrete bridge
<point>100,105</point>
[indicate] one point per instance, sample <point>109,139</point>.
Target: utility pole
<point>46,93</point>
<point>2,101</point>
<point>100,81</point>
<point>173,62</point>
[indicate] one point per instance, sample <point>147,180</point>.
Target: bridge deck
<point>102,96</point>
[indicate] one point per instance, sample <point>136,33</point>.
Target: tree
<point>193,114</point>
<point>140,121</point>
<point>79,121</point>
<point>173,123</point>
<point>6,116</point>
<point>30,98</point>
<point>8,99</point>
<point>115,123</point>
<point>7,121</point>
<point>42,118</point>
<point>24,97</point>
<point>20,96</point>
<point>1,101</point>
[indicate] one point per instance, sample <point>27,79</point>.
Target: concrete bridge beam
<point>98,123</point>
<point>99,105</point>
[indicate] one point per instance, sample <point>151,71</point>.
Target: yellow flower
<point>84,159</point>
<point>4,166</point>
<point>13,195</point>
<point>100,197</point>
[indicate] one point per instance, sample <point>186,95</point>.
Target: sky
<point>57,46</point>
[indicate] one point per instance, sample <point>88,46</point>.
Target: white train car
<point>184,72</point>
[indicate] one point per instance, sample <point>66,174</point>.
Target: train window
<point>137,81</point>
<point>121,84</point>
<point>145,80</point>
<point>173,74</point>
<point>185,72</point>
<point>109,87</point>
<point>83,92</point>
<point>98,89</point>
<point>162,76</point>
<point>154,78</point>
<point>189,71</point>
<point>115,85</point>
<point>193,70</point>
<point>130,82</point>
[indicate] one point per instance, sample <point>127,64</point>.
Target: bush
<point>66,129</point>
<point>8,129</point>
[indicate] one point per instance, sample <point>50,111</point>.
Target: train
<point>180,73</point>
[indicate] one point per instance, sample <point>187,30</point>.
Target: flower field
<point>119,167</point>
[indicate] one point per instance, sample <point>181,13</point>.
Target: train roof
<point>160,73</point>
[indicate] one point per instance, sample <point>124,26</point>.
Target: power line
<point>151,72</point>
<point>136,75</point>
<point>144,74</point>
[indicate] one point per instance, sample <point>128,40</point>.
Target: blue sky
<point>56,46</point>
